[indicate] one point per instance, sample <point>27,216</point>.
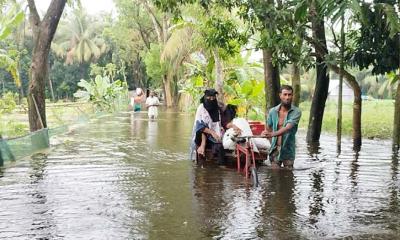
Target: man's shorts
<point>274,156</point>
<point>137,108</point>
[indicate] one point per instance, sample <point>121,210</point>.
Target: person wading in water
<point>281,128</point>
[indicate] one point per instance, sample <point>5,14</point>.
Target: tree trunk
<point>36,106</point>
<point>156,23</point>
<point>138,80</point>
<point>357,105</point>
<point>339,111</point>
<point>3,86</point>
<point>340,96</point>
<point>21,93</point>
<point>168,91</point>
<point>51,90</point>
<point>219,78</point>
<point>43,33</point>
<point>322,82</point>
<point>272,81</point>
<point>396,123</point>
<point>296,84</point>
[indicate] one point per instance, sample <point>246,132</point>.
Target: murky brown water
<point>124,177</point>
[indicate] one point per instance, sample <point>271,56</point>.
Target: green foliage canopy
<point>376,44</point>
<point>155,69</point>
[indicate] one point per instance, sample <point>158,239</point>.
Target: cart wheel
<point>254,176</point>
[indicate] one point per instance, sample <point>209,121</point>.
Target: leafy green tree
<point>376,43</point>
<point>65,77</point>
<point>155,70</point>
<point>130,37</point>
<point>222,36</point>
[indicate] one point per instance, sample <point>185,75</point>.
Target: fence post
<point>37,111</point>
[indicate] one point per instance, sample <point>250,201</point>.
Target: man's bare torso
<point>282,115</point>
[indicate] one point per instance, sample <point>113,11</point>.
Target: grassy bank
<point>58,114</point>
<point>377,118</point>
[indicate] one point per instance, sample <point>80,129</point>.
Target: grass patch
<point>376,119</point>
<point>58,114</point>
<point>13,128</point>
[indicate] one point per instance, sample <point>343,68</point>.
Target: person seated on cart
<point>209,126</point>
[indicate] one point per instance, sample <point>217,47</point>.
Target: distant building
<point>333,92</point>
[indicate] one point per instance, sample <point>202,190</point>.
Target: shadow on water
<point>279,206</point>
<point>43,225</point>
<point>394,202</point>
<point>316,207</point>
<point>126,177</point>
<point>313,149</point>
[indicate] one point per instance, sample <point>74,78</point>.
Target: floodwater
<point>124,177</point>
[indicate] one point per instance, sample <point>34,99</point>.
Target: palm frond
<point>79,38</point>
<point>392,17</point>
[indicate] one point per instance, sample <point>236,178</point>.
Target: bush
<point>13,129</point>
<point>8,102</point>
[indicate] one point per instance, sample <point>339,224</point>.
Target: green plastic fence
<point>15,148</point>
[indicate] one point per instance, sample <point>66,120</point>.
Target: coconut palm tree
<point>78,38</point>
<point>192,37</point>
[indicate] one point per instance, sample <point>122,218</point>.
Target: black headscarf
<point>230,112</point>
<point>211,105</point>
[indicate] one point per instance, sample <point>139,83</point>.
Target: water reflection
<point>136,123</point>
<point>42,216</point>
<point>209,190</point>
<point>395,163</point>
<point>152,132</point>
<point>313,149</point>
<point>354,171</point>
<point>394,201</point>
<point>316,195</point>
<point>227,207</point>
<point>280,205</point>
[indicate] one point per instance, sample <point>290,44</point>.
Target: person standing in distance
<point>138,99</point>
<point>281,129</point>
<point>152,103</point>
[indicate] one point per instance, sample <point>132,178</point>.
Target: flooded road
<point>124,177</point>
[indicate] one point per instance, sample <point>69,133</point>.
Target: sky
<point>92,7</point>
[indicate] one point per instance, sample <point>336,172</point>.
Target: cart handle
<point>248,137</point>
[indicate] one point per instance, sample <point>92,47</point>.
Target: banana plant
<point>245,85</point>
<point>248,96</point>
<point>9,21</point>
<point>101,92</point>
